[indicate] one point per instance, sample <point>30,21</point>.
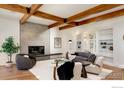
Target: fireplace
<point>37,50</point>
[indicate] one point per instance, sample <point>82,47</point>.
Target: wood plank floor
<point>117,73</point>
<point>14,74</point>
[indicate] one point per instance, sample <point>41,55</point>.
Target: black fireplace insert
<point>37,50</point>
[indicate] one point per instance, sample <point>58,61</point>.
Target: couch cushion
<point>83,54</point>
<point>99,61</point>
<point>93,69</point>
<point>79,59</point>
<point>92,58</point>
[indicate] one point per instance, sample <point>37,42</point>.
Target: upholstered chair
<point>96,68</point>
<point>76,72</point>
<point>25,61</point>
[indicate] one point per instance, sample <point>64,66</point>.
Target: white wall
<point>8,27</point>
<point>72,34</point>
<point>69,34</point>
<point>118,43</point>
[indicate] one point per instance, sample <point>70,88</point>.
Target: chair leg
<point>54,73</point>
<point>122,74</point>
<point>84,73</point>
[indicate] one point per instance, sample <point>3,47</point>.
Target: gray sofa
<point>25,63</point>
<point>84,56</point>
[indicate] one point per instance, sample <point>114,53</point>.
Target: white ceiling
<point>61,10</point>
<point>26,5</point>
<point>10,14</point>
<point>65,10</point>
<point>40,20</point>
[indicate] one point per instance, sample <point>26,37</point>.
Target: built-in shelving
<point>105,43</point>
<point>92,42</point>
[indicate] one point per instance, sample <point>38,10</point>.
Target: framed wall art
<point>57,42</point>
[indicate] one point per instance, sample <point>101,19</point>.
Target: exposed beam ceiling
<point>33,9</point>
<point>26,10</point>
<point>48,16</point>
<point>98,18</point>
<point>94,10</point>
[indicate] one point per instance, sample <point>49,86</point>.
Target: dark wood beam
<point>98,18</point>
<point>33,9</point>
<point>94,10</point>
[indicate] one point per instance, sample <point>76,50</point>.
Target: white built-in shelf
<point>105,43</point>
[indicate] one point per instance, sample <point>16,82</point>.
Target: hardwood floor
<point>117,73</point>
<point>14,74</point>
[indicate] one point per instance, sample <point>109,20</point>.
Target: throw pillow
<point>99,61</point>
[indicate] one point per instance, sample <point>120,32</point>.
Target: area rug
<point>102,75</point>
<point>43,70</point>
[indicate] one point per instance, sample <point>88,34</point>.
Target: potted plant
<point>9,47</point>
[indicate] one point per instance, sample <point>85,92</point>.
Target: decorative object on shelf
<point>101,43</point>
<point>111,48</point>
<point>9,47</point>
<point>105,43</point>
<point>91,36</point>
<point>69,41</point>
<point>57,42</point>
<point>79,44</point>
<point>103,46</point>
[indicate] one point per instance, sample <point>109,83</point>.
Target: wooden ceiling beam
<point>55,24</point>
<point>60,23</point>
<point>33,9</point>
<point>98,18</point>
<point>26,10</point>
<point>66,27</point>
<point>94,10</point>
<point>48,16</point>
<point>15,7</point>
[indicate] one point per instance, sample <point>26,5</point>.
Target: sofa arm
<point>93,69</point>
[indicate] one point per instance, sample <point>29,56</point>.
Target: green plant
<point>9,47</point>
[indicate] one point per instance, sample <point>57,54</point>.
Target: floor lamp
<point>69,49</point>
<point>69,42</point>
